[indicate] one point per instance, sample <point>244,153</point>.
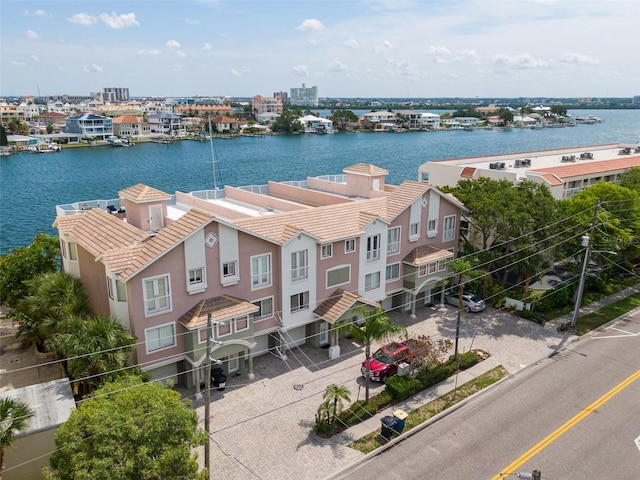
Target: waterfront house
<point>377,120</point>
<point>275,266</point>
<point>313,124</point>
<point>127,126</point>
<point>164,123</point>
<point>261,105</point>
<point>90,125</point>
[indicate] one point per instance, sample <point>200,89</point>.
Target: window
<point>299,301</point>
<point>393,240</point>
<point>242,323</point>
<point>157,295</point>
<point>414,230</point>
<point>228,269</point>
<point>432,267</point>
<point>110,288</point>
<point>449,228</point>
<point>422,270</point>
<point>326,251</point>
<point>196,276</point>
<point>393,272</point>
<point>299,265</point>
<point>372,281</point>
<point>223,328</point>
<point>266,308</point>
<point>432,228</point>
<point>350,245</point>
<point>442,265</point>
<point>261,271</point>
<point>73,251</point>
<point>425,176</point>
<point>121,291</point>
<point>159,337</point>
<point>338,276</point>
<point>373,248</point>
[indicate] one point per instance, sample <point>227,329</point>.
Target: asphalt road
<point>575,415</point>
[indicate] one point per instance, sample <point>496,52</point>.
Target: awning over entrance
<point>224,307</point>
<point>339,303</point>
<point>426,254</point>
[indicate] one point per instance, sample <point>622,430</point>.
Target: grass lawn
<point>607,313</point>
<point>420,415</point>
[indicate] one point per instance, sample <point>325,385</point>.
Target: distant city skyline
<point>369,48</point>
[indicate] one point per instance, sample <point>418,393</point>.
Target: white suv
<point>471,302</point>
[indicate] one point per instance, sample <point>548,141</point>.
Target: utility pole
<point>588,239</point>
<point>207,399</point>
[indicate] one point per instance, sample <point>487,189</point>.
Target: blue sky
<point>348,48</point>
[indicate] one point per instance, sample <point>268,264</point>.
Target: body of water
<point>32,185</point>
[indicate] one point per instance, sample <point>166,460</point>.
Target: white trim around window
<point>393,240</point>
<point>372,281</point>
<point>340,275</point>
<point>448,229</point>
<point>326,250</point>
<point>299,265</point>
<point>260,271</point>
<point>393,272</point>
<point>432,228</point>
<point>299,302</point>
<point>414,231</point>
<point>159,337</point>
<point>266,308</point>
<point>350,245</point>
<point>156,293</point>
<point>196,280</point>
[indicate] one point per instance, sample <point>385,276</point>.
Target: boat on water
<point>4,151</point>
<point>163,140</point>
<point>44,148</point>
<point>114,141</point>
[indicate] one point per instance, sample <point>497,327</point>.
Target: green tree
<point>505,115</point>
<point>377,327</point>
<point>288,121</point>
<point>336,395</point>
<point>14,415</point>
<point>96,349</point>
<point>53,297</point>
<point>128,430</point>
<point>23,264</point>
<point>342,118</point>
<point>631,179</point>
<point>3,136</point>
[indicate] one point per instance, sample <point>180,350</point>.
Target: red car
<point>384,362</point>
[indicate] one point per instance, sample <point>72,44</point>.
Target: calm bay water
<point>32,185</point>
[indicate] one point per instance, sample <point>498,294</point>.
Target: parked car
<point>384,361</point>
<point>470,301</point>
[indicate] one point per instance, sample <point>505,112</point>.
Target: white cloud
<point>207,46</point>
<point>310,24</point>
<point>401,67</point>
<point>577,59</point>
<point>302,70</point>
<point>154,52</point>
<point>191,22</point>
<point>172,44</point>
<point>39,13</point>
<point>239,73</point>
<point>338,66</point>
<point>383,47</point>
<point>82,19</point>
<point>180,53</point>
<point>120,21</point>
<point>351,42</point>
<point>32,34</point>
<point>522,61</point>
<point>92,68</point>
<point>16,63</point>
<point>35,58</point>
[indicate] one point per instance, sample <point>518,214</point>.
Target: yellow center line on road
<point>525,457</point>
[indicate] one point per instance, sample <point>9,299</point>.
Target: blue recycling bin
<point>401,417</point>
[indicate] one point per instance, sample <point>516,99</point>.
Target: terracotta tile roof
<point>552,179</point>
<point>221,308</point>
<point>426,254</point>
<point>143,193</point>
<point>326,224</point>
<point>126,262</point>
<point>127,119</point>
<point>98,231</point>
<point>589,168</point>
<point>403,196</point>
<point>367,169</point>
<point>467,172</point>
<point>338,304</point>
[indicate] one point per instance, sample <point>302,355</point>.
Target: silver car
<point>470,301</point>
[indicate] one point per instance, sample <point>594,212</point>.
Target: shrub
<point>402,388</point>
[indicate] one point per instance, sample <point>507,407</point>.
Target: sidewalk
<point>374,423</point>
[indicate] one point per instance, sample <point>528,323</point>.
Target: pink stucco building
<point>275,266</point>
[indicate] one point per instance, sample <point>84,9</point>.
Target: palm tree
<point>13,419</point>
<point>95,348</point>
<point>377,326</point>
<point>338,394</point>
<point>52,298</point>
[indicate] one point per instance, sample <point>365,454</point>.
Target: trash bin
<point>388,426</point>
<point>401,417</point>
<point>218,378</point>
